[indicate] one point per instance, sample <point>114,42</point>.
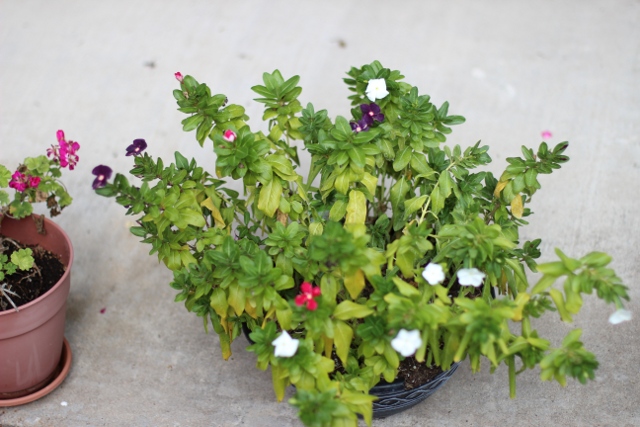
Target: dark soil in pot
<point>26,286</point>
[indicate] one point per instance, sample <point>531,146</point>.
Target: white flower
<point>285,345</point>
<point>470,277</point>
<point>407,342</point>
<point>621,315</point>
<point>376,89</point>
<point>433,274</point>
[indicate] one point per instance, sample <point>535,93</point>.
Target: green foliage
<point>337,259</point>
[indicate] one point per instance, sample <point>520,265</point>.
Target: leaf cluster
<point>376,207</point>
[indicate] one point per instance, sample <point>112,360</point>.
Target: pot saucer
<point>61,372</point>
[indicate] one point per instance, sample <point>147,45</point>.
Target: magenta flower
<point>34,181</point>
<point>308,295</point>
<point>102,173</point>
<point>137,147</point>
<point>68,156</point>
<point>360,126</point>
<point>229,135</point>
<point>19,182</point>
<point>54,151</point>
<point>65,152</point>
<point>371,112</point>
<point>179,76</point>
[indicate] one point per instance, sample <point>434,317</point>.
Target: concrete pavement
<point>103,72</point>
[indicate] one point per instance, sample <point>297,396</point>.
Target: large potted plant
<point>392,255</point>
<point>35,270</point>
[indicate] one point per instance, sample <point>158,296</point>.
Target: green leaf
<point>342,337</point>
<point>357,156</point>
<point>402,159</point>
<point>405,288</point>
<point>270,195</point>
<point>23,259</point>
<point>445,183</point>
<point>413,204</point>
<point>5,176</point>
<point>338,210</point>
<point>347,310</point>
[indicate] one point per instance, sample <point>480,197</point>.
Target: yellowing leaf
<point>279,380</point>
<point>370,182</point>
<point>354,283</point>
<point>328,346</point>
<point>219,302</point>
<point>343,335</point>
<point>215,213</point>
<point>517,209</point>
<point>499,187</point>
<point>356,208</point>
<point>236,298</point>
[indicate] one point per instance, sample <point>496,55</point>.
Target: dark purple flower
<point>360,126</point>
<point>102,173</point>
<point>137,147</point>
<point>371,112</point>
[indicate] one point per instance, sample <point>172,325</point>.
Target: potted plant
<point>35,270</point>
<point>393,252</point>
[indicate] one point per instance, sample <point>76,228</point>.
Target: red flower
<point>308,295</point>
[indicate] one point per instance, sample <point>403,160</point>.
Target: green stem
<point>512,376</point>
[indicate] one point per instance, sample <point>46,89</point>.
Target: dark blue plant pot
<point>394,398</point>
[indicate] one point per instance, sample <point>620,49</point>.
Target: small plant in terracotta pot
<point>35,261</point>
<point>392,250</point>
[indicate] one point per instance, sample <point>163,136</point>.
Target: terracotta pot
<point>31,340</point>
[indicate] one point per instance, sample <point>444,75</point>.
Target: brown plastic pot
<point>31,339</point>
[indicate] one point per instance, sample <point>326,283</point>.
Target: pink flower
<point>229,135</point>
<point>68,156</point>
<point>179,76</point>
<point>546,134</point>
<point>18,182</point>
<point>65,152</point>
<point>54,151</point>
<point>34,181</point>
<point>308,295</point>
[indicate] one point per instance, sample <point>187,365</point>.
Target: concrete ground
<point>103,72</point>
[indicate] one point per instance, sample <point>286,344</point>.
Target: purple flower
<point>371,112</point>
<point>137,147</point>
<point>102,173</point>
<point>360,126</point>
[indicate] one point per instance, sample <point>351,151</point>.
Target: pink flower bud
<point>179,76</point>
<point>60,136</point>
<point>229,135</point>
